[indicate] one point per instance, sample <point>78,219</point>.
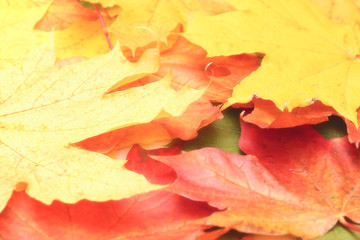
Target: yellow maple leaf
<point>44,110</point>
<point>342,11</point>
<point>84,38</point>
<point>24,4</point>
<point>140,23</point>
<point>16,32</point>
<point>308,56</point>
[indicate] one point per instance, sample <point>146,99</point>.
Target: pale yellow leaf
<point>44,110</point>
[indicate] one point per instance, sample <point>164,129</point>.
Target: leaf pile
<point>179,119</point>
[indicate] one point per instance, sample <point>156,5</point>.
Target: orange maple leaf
<point>191,67</point>
<point>295,181</point>
<point>267,115</point>
<point>198,114</point>
<point>155,215</point>
<point>62,13</point>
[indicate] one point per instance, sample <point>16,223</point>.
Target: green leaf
<point>340,232</point>
<point>223,134</point>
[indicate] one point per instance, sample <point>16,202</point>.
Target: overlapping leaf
<point>342,11</point>
<point>294,181</point>
<point>139,161</point>
<point>198,114</point>
<point>24,4</point>
<point>307,55</point>
<point>83,38</point>
<point>144,134</point>
<point>62,13</point>
<point>163,214</point>
<point>267,115</point>
<point>53,118</point>
<point>191,67</point>
<point>17,34</point>
<point>44,110</point>
<point>140,23</point>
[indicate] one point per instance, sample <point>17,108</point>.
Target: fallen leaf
<point>292,73</point>
<point>140,23</point>
<point>44,110</point>
<point>199,114</point>
<point>139,160</point>
<point>267,115</point>
<point>148,216</point>
<point>354,132</point>
<point>24,4</point>
<point>209,7</point>
<point>294,182</point>
<point>17,33</point>
<point>357,3</point>
<point>143,134</point>
<point>155,20</point>
<point>68,61</point>
<point>191,67</point>
<point>342,11</point>
<point>83,38</point>
<point>62,13</point>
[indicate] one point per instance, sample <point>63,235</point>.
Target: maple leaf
<point>294,182</point>
<point>44,110</point>
<point>62,13</point>
<point>139,161</point>
<point>354,132</point>
<point>24,4</point>
<point>23,28</point>
<point>151,22</point>
<point>267,115</point>
<point>154,20</point>
<point>342,11</point>
<point>143,134</point>
<point>17,34</point>
<point>155,215</point>
<point>191,67</point>
<point>199,114</point>
<point>187,63</point>
<point>83,38</point>
<point>313,57</point>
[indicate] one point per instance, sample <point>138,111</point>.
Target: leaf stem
<point>103,25</point>
<point>348,225</point>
